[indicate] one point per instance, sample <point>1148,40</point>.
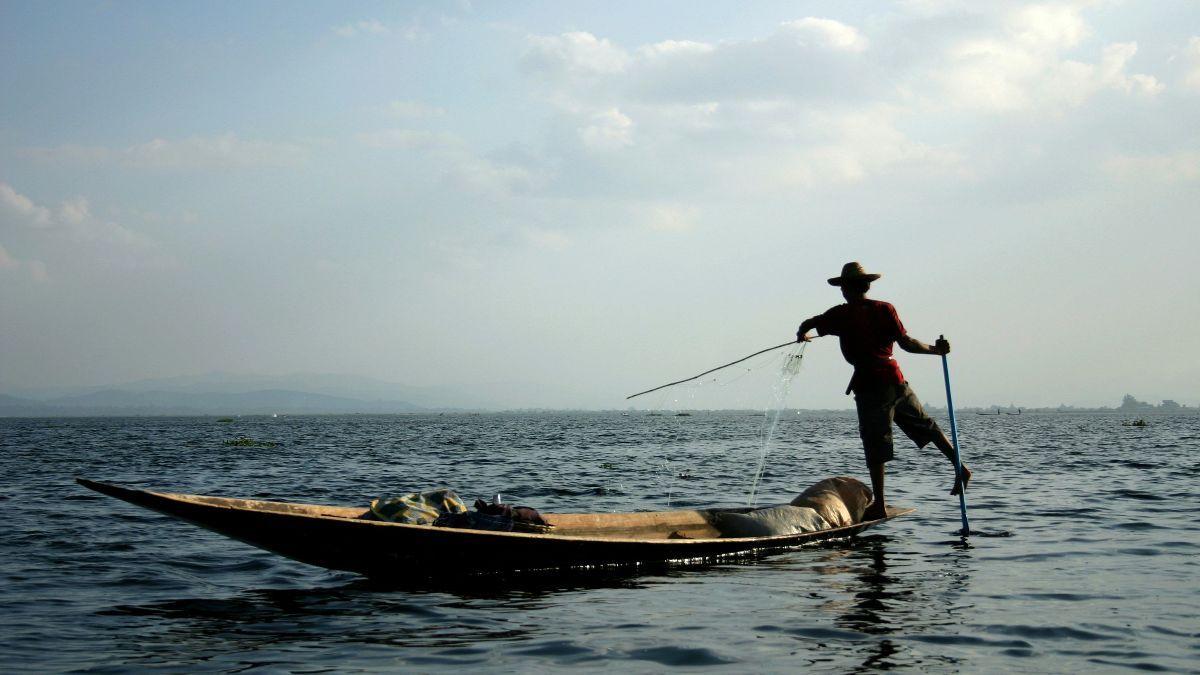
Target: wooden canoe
<point>338,538</point>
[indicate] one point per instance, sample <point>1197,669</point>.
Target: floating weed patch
<point>244,442</point>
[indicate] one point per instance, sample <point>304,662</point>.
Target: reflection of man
<point>866,330</point>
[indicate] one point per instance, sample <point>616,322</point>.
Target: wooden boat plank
<point>642,525</point>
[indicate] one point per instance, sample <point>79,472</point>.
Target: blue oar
<point>962,491</point>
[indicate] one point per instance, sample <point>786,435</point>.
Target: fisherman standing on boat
<point>867,330</point>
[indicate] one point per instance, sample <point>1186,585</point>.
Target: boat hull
<point>338,538</point>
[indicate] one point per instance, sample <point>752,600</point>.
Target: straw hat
<point>853,271</point>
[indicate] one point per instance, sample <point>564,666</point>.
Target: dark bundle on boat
<point>523,518</point>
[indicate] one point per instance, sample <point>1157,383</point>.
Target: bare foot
<point>966,474</point>
<point>875,511</point>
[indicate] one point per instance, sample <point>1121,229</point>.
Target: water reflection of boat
<point>337,537</point>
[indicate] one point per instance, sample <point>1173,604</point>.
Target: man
<point>866,330</point>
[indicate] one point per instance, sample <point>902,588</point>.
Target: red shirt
<point>866,331</point>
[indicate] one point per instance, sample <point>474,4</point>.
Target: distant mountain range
<point>229,394</point>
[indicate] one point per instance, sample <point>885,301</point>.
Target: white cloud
<point>36,269</point>
<point>1047,27</point>
<point>458,252</point>
<point>17,208</point>
<point>937,7</point>
<point>820,102</point>
<point>222,151</point>
<point>1181,167</point>
<point>413,110</point>
<point>668,48</point>
<point>842,148</point>
<point>552,240</point>
<point>742,142</point>
<point>457,164</point>
<point>375,27</point>
<point>676,98</point>
<point>75,212</point>
<point>486,177</point>
<point>828,34</point>
<point>672,218</point>
<point>366,26</point>
<point>1024,66</point>
<point>608,130</point>
<point>803,60</point>
<point>1111,71</point>
<point>76,220</point>
<point>693,118</point>
<point>1191,59</point>
<point>400,138</point>
<point>226,151</point>
<point>575,53</point>
<point>71,231</point>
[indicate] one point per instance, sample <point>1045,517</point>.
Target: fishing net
<point>773,369</point>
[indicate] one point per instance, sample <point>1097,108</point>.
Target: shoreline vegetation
<point>302,403</point>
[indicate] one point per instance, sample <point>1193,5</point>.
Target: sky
<point>576,201</point>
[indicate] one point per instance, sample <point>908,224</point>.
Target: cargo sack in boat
<point>523,514</point>
<point>472,520</point>
<point>417,508</point>
<point>840,500</point>
<point>523,518</point>
<point>769,521</point>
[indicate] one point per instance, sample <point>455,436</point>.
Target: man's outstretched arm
<point>908,344</point>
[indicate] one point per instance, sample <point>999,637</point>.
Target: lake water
<point>1085,554</point>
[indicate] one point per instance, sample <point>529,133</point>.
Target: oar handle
<point>962,493</point>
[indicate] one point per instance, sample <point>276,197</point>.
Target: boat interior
<point>648,525</point>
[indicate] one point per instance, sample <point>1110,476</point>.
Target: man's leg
<point>875,428</point>
<point>911,418</point>
<point>947,449</point>
<point>878,508</point>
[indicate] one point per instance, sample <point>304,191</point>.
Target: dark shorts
<point>879,406</point>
